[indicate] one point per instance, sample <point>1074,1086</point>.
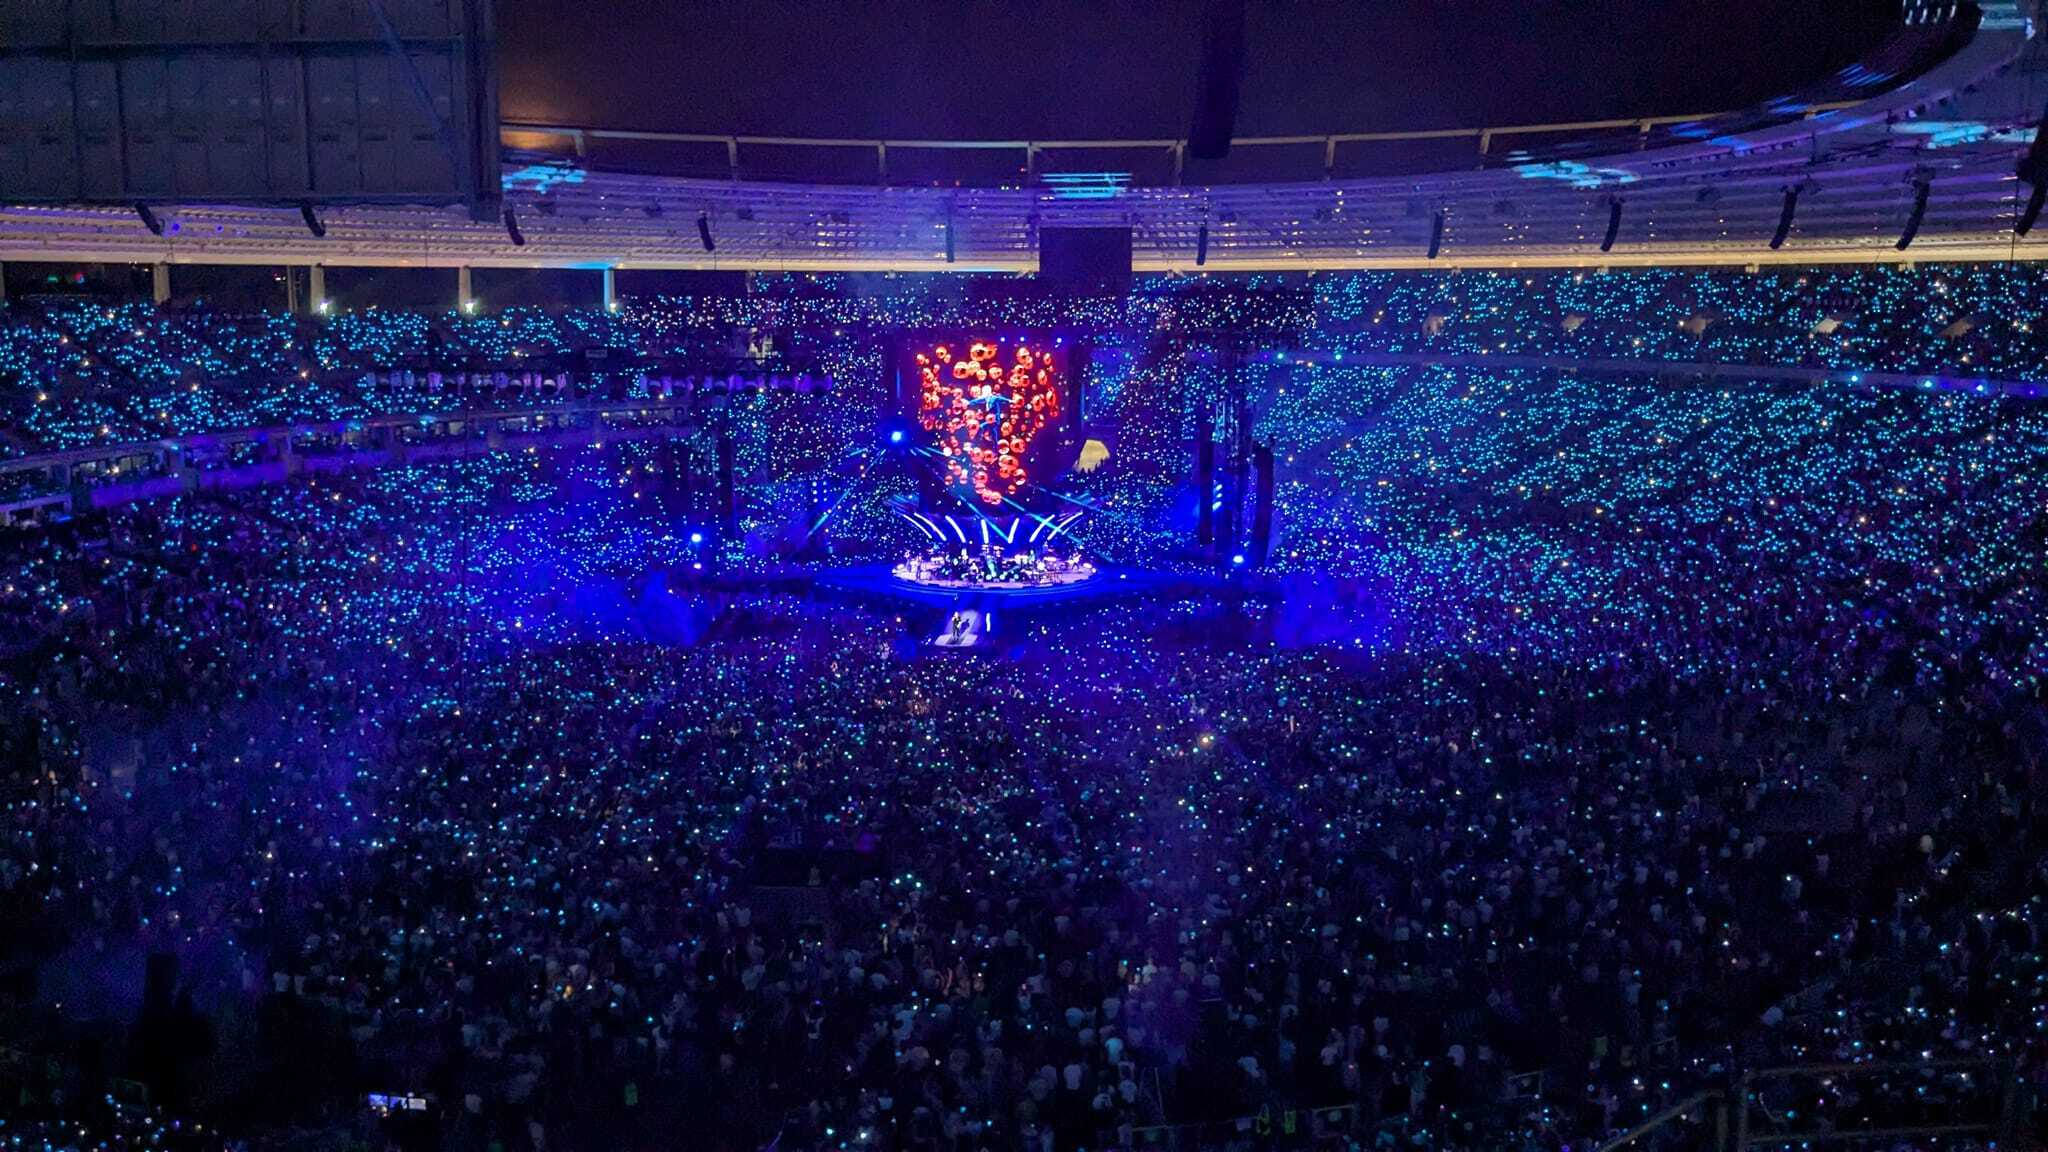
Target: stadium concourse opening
<point>566,635</point>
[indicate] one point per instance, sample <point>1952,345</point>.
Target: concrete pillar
<point>160,282</point>
<point>611,289</point>
<point>465,296</point>
<point>316,289</point>
<point>291,291</point>
<point>3,283</point>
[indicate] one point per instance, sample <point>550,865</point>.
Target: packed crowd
<point>79,373</point>
<point>1583,744</point>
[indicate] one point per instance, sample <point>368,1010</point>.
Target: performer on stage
<point>992,568</point>
<point>963,630</point>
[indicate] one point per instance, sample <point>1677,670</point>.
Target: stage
<point>879,580</point>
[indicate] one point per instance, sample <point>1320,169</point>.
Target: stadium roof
<point>1949,109</point>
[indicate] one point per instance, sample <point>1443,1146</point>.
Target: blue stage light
<point>696,537</point>
<point>896,436</point>
<point>1237,559</point>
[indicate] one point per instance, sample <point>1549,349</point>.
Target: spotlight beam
<point>1070,534</point>
<point>860,481</point>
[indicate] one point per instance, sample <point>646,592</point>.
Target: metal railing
<point>582,138</point>
<point>1742,1103</point>
<point>1716,1118</point>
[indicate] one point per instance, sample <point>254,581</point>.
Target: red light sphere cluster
<point>984,411</point>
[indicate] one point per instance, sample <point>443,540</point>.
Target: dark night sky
<point>1076,68</point>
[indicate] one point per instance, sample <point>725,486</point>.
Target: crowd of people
<point>78,372</point>
<point>1581,745</point>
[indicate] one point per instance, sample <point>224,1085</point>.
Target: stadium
<point>955,577</point>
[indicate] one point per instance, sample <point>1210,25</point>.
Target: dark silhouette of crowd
<point>457,806</point>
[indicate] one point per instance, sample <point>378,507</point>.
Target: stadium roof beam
<point>1856,161</point>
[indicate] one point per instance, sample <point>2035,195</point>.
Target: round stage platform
<point>1104,583</point>
<point>993,573</point>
